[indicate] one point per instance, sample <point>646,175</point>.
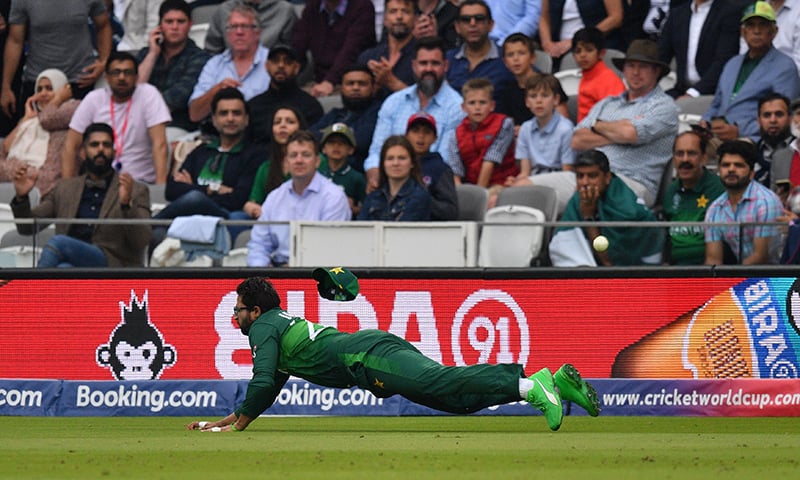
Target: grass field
<point>402,447</point>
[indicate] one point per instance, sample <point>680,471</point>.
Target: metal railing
<point>40,224</point>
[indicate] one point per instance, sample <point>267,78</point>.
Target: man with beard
<point>747,203</point>
<point>282,66</point>
<point>216,177</point>
<point>430,94</point>
<point>478,55</point>
<point>377,361</point>
<point>390,60</point>
<point>776,134</point>
<point>100,193</point>
<point>138,116</point>
<point>687,198</point>
<point>785,165</point>
<point>359,111</point>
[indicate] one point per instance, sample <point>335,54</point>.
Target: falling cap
<point>337,283</point>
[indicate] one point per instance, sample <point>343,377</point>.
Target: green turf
<point>403,448</point>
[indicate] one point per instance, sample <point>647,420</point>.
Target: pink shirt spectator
<point>132,119</point>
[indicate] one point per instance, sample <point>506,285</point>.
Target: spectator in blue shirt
<point>478,56</point>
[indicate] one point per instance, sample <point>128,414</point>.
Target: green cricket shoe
<point>575,389</point>
<point>544,396</point>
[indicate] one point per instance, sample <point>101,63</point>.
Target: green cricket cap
<point>337,283</point>
<point>758,9</point>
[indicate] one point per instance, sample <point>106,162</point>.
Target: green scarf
<point>627,245</point>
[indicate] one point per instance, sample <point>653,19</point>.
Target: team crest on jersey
<point>136,349</point>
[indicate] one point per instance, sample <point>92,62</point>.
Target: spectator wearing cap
<point>359,111</point>
<point>390,60</point>
<point>436,174</point>
<point>240,66</point>
<point>635,129</point>
<point>337,144</point>
<point>749,76</point>
<point>172,62</point>
<point>334,32</point>
<point>282,67</point>
<point>744,201</point>
<point>700,35</point>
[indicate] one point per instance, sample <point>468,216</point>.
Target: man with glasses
<point>478,55</point>
<point>240,66</point>
<point>100,193</point>
<point>138,116</point>
<point>687,198</point>
<point>216,177</point>
<point>376,361</point>
<point>749,76</point>
<point>276,18</point>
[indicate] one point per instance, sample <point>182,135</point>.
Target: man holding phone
<point>172,62</point>
<point>747,77</point>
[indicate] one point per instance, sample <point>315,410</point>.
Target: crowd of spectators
<point>284,105</point>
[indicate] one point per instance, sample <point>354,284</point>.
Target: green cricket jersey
<point>283,345</point>
<point>689,205</point>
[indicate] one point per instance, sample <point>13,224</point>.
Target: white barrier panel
<point>384,244</point>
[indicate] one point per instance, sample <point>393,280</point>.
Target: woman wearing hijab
<point>39,137</point>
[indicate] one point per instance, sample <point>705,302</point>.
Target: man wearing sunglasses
<point>478,55</point>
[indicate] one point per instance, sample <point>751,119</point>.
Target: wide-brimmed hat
<point>642,50</point>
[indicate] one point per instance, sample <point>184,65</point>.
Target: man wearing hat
<point>745,201</point>
<point>750,76</point>
<point>377,361</point>
<point>436,174</point>
<point>635,129</point>
<point>701,35</point>
<point>337,145</point>
<point>282,66</point>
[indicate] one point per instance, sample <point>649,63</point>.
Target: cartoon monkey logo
<point>136,349</point>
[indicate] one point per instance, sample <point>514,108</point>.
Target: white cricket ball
<point>600,243</point>
<point>202,424</point>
